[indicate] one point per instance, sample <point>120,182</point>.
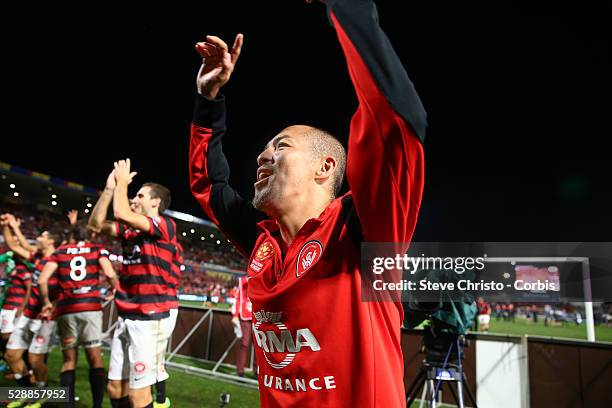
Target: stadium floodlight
<point>189,218</point>
<point>16,194</point>
<point>53,202</point>
<point>192,231</point>
<point>212,235</point>
<point>218,242</point>
<point>184,234</point>
<point>53,195</point>
<point>87,211</point>
<point>202,238</point>
<point>12,185</point>
<point>89,205</point>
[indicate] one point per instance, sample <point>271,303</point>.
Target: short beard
<point>261,199</point>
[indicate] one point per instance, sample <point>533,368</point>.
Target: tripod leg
<point>454,394</point>
<point>431,393</point>
<point>423,397</point>
<point>469,391</point>
<point>460,392</point>
<point>415,387</point>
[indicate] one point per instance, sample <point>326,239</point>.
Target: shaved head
<point>324,144</point>
<point>299,162</point>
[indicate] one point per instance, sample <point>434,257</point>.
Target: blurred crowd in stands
<point>206,283</point>
<point>226,256</point>
<point>550,314</point>
<point>196,278</point>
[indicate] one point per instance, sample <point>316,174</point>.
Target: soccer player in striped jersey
<point>150,248</point>
<point>78,310</point>
<point>14,303</point>
<point>173,285</point>
<point>20,281</point>
<point>33,331</point>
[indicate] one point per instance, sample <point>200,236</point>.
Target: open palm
<point>218,63</point>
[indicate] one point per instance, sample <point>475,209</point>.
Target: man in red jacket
<point>317,343</point>
<point>242,316</point>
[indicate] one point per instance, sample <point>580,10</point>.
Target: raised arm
<point>385,168</point>
<point>11,240</point>
<point>97,220</point>
<point>208,168</point>
<point>73,217</point>
<point>15,224</point>
<point>121,203</point>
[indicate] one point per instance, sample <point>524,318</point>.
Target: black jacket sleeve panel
<point>359,20</point>
<point>209,176</point>
<point>385,160</point>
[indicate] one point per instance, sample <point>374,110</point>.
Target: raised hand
<point>47,311</point>
<point>73,216</point>
<point>12,221</point>
<point>122,172</point>
<point>110,181</point>
<point>110,295</point>
<point>218,63</point>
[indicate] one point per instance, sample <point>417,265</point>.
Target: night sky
<point>518,98</point>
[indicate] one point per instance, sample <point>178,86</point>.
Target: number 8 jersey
<point>78,274</point>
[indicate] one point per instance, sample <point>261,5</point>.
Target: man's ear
<point>155,202</point>
<point>326,169</point>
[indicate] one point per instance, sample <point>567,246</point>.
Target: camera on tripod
<point>448,317</point>
<point>436,345</point>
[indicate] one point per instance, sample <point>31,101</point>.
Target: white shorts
<point>7,320</point>
<point>31,334</point>
<point>169,325</point>
<point>83,328</point>
<point>484,319</point>
<point>137,352</point>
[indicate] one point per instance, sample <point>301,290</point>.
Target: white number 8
<point>77,268</point>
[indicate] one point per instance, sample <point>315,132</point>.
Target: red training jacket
<point>317,343</point>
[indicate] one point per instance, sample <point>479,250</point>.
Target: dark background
<point>518,97</point>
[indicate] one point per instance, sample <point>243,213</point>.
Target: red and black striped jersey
<point>78,275</point>
<point>147,288</point>
<point>175,279</point>
<point>34,306</point>
<point>19,279</point>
